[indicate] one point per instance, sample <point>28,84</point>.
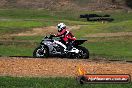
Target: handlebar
<point>49,37</point>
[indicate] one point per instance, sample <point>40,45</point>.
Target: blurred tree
<point>129,3</point>
<point>11,1</point>
<point>113,1</point>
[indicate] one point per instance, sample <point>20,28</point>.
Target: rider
<point>65,35</point>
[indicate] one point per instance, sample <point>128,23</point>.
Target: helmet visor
<point>58,27</point>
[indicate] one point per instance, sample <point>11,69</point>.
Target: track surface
<point>52,67</point>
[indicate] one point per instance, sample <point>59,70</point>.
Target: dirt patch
<point>43,31</point>
<point>59,67</point>
<point>110,34</point>
<point>37,31</point>
<point>74,27</point>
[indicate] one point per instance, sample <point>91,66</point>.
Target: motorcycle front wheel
<point>40,52</point>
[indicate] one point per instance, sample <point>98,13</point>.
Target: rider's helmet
<point>61,26</point>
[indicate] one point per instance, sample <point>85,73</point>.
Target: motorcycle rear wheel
<point>83,53</point>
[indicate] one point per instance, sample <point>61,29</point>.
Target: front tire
<point>40,52</point>
<point>83,52</point>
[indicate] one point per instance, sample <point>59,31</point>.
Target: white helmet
<point>61,26</point>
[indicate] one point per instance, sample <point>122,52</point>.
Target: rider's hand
<point>53,35</point>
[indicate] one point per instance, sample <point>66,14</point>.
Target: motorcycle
<point>49,46</point>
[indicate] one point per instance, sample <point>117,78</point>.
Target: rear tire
<point>83,52</point>
<point>41,52</point>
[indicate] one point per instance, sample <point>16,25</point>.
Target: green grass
<point>61,15</point>
<point>20,20</point>
<point>25,14</point>
<point>123,26</point>
<point>38,14</point>
<point>25,82</point>
<point>93,28</point>
<point>118,48</point>
<point>15,26</point>
<point>121,16</point>
<point>29,38</point>
<point>17,50</point>
<point>20,24</point>
<point>111,47</point>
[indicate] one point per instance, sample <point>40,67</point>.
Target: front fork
<point>42,47</point>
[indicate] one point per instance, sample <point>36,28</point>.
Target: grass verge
<point>58,82</point>
<point>111,47</point>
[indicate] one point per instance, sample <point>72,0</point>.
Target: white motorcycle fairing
<point>73,50</point>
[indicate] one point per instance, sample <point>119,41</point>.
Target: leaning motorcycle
<point>50,46</point>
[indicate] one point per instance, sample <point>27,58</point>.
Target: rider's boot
<point>69,47</point>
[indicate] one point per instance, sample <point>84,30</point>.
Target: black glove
<point>52,35</point>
